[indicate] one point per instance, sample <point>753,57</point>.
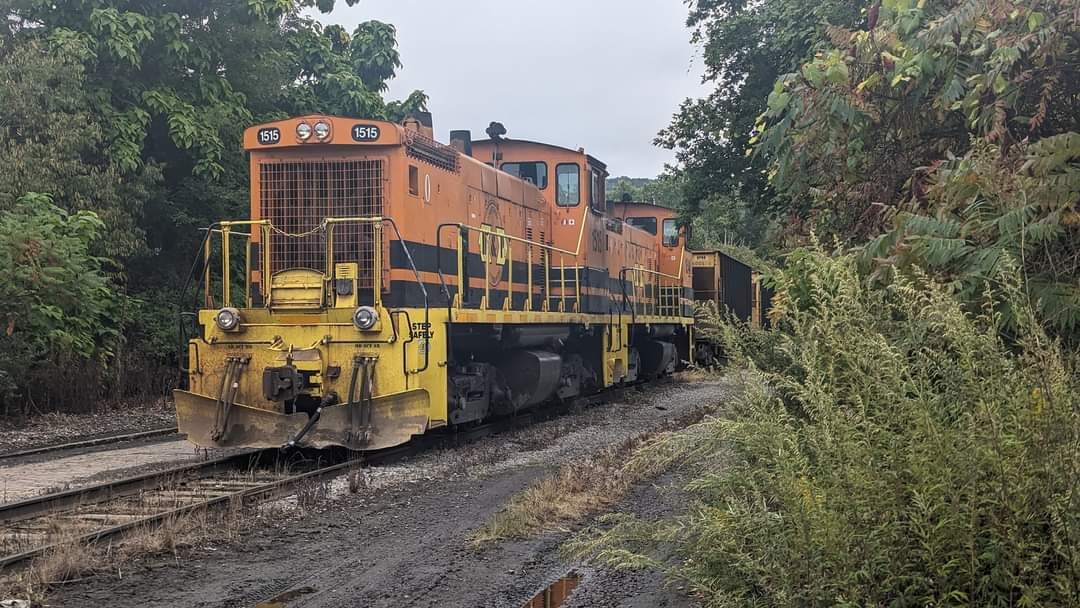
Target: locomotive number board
<point>365,132</point>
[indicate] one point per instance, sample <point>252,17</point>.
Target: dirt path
<point>403,539</point>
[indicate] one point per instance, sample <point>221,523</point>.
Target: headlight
<point>322,130</point>
<point>303,131</point>
<point>365,317</point>
<point>227,319</point>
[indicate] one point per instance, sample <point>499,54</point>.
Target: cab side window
<point>648,224</point>
<point>671,233</point>
<point>535,173</point>
<point>568,181</point>
<point>597,197</point>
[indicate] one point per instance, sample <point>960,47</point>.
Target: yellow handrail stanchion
<point>226,287</point>
<point>485,252</point>
<point>562,283</point>
<point>547,281</point>
<point>328,253</point>
<point>207,302</point>
<point>264,283</point>
<point>509,301</point>
<point>376,269</point>
<point>529,280</point>
<point>463,288</point>
<point>577,286</point>
<point>247,275</point>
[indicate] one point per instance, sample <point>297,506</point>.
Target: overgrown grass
<point>897,451</point>
<point>588,485</point>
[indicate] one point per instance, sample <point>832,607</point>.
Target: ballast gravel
<point>402,539</point>
<point>56,428</point>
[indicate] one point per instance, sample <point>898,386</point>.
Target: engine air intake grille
<point>296,196</point>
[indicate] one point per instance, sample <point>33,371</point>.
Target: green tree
<point>664,190</point>
<point>746,46</point>
<point>947,134</point>
<point>58,309</point>
<point>135,110</point>
<point>51,141</point>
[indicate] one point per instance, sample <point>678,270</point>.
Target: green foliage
<point>135,111</point>
<point>665,190</point>
<point>860,129</point>
<point>56,303</point>
<point>746,46</point>
<point>895,451</point>
<point>986,209</point>
<point>51,141</point>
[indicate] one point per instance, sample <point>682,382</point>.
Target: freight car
<point>735,287</point>
<point>386,285</point>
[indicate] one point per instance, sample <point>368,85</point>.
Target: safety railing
<point>262,233</point>
<point>655,293</point>
<point>494,242</point>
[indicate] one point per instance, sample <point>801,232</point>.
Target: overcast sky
<point>605,75</point>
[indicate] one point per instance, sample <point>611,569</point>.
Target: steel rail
<point>86,443</point>
<point>39,506</point>
<point>60,502</point>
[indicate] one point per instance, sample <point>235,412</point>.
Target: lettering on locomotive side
<point>424,334</point>
<point>597,240</point>
<point>422,330</point>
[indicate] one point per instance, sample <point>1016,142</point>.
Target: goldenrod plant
<point>899,450</point>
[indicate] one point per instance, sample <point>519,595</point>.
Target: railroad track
<point>86,443</point>
<point>32,527</point>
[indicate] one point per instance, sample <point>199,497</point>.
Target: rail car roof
<point>721,254</point>
<point>592,159</point>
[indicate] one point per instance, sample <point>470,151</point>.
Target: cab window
<point>597,198</point>
<point>648,224</point>
<point>671,233</point>
<point>535,173</point>
<point>568,181</point>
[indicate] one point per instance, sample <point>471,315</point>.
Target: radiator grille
<point>296,196</point>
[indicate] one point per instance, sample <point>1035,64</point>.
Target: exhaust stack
<point>461,141</point>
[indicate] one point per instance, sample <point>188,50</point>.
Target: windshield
<point>671,233</point>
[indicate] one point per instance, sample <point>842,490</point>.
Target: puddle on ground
<point>282,600</point>
<point>556,594</point>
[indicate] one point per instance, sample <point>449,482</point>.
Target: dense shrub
<point>58,309</point>
<point>898,452</point>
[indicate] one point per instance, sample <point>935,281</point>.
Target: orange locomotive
<point>386,285</point>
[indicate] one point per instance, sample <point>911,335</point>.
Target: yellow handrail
<point>546,253</point>
<point>266,229</point>
<point>667,301</point>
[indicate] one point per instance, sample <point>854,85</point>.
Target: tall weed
<point>897,451</point>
